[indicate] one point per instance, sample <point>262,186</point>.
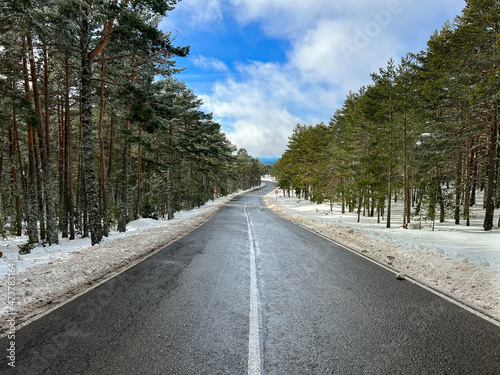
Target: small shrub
<point>27,247</point>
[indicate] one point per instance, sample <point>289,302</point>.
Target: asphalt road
<point>251,293</point>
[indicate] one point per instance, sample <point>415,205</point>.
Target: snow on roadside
<point>470,275</point>
<point>49,276</point>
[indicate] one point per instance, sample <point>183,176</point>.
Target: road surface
<point>251,293</point>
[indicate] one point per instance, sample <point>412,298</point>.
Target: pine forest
<point>425,132</point>
<point>96,130</point>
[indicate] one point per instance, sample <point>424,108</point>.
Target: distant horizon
<point>268,160</point>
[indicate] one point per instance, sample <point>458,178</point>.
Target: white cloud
<point>264,133</point>
<point>260,110</point>
<point>332,53</point>
<point>199,12</point>
<point>254,111</point>
<point>209,63</point>
<point>334,46</point>
<point>285,18</point>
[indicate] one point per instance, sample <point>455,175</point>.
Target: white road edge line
<point>254,333</point>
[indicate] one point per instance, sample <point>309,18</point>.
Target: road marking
<point>255,318</point>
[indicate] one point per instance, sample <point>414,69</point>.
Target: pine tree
<point>478,35</point>
<point>384,95</point>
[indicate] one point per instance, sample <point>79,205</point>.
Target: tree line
<point>425,131</point>
<point>96,130</point>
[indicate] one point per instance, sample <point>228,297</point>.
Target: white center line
<point>254,333</point>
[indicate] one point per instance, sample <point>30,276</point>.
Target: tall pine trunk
<point>31,205</point>
<point>489,195</point>
<point>40,153</point>
<point>139,178</point>
<point>13,152</point>
<point>406,184</point>
<point>44,135</point>
<point>63,225</point>
<point>170,189</point>
<point>102,172</point>
<point>91,186</point>
<point>170,177</point>
<point>68,163</point>
<point>52,232</point>
<point>389,183</point>
<point>458,187</point>
<point>123,220</point>
<point>467,179</point>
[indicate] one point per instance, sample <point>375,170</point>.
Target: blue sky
<point>263,66</point>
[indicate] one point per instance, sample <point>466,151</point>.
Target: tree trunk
<point>44,134</point>
<point>68,163</point>
<point>111,135</point>
<point>139,178</point>
<point>458,188</point>
<point>170,190</point>
<point>42,180</point>
<point>110,160</point>
<point>31,205</point>
<point>406,185</point>
<point>52,232</point>
<point>343,195</point>
<point>80,205</point>
<point>170,177</point>
<point>442,211</point>
<point>498,176</point>
<point>123,220</point>
<point>91,186</point>
<point>389,200</point>
<point>467,178</point>
<point>389,182</point>
<point>63,222</point>
<point>102,172</point>
<point>13,151</point>
<point>489,195</point>
<point>374,203</point>
<point>378,209</point>
<point>122,223</point>
<point>39,188</point>
<point>474,176</point>
<point>432,201</point>
<point>360,203</point>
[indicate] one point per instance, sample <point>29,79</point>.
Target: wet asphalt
<point>321,309</point>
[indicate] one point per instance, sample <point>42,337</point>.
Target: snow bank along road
<point>251,293</point>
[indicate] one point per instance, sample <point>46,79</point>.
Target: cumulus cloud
<point>253,109</point>
<point>334,46</point>
<point>205,11</point>
<point>335,52</point>
<point>284,18</point>
<point>263,134</point>
<point>209,63</point>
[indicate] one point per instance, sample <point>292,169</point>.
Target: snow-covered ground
<point>462,262</point>
<point>49,276</point>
